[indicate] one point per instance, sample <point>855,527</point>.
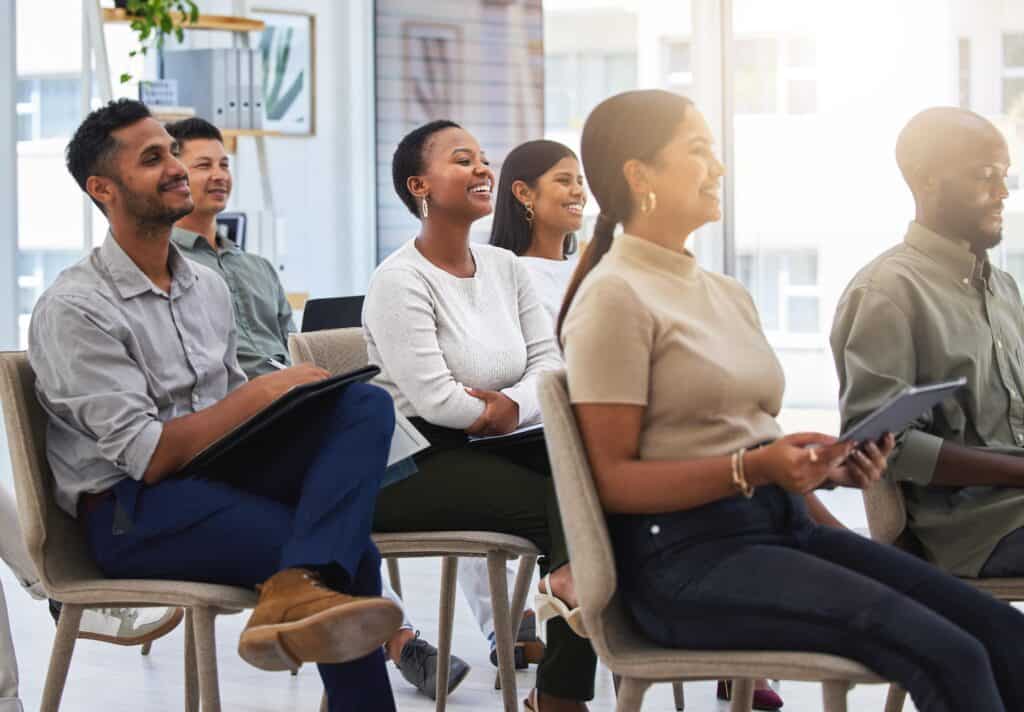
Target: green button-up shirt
<point>263,316</point>
<point>928,310</point>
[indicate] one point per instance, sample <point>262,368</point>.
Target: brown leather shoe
<point>299,620</point>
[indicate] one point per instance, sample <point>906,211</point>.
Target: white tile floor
<point>113,679</point>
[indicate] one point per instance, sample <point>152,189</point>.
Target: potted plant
<point>153,20</point>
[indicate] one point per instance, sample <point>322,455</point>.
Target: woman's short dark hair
<point>93,144</point>
<point>193,128</point>
<point>526,162</point>
<point>408,159</point>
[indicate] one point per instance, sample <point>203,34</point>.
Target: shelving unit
<point>94,47</point>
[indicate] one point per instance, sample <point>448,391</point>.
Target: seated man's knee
<point>370,401</point>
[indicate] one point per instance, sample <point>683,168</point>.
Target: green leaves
<point>153,20</point>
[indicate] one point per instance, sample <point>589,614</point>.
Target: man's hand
<point>500,416</point>
<point>276,384</point>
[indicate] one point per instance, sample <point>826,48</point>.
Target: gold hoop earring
<point>529,214</point>
<point>649,203</point>
<point>424,208</point>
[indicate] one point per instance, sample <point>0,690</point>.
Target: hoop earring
<point>529,214</point>
<point>649,203</point>
<point>424,208</point>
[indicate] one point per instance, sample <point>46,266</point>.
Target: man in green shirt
<point>935,308</point>
<point>264,320</point>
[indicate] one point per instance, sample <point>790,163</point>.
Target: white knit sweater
<point>433,335</point>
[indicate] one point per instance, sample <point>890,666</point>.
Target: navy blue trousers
<point>758,574</point>
<point>307,500</point>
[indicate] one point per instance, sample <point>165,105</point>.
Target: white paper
<point>514,433</point>
<point>406,440</point>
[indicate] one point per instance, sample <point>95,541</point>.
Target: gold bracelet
<point>739,478</point>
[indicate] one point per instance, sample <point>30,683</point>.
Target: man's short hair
<point>93,145</point>
<point>193,128</point>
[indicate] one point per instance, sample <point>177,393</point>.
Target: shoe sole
<point>452,684</point>
<point>336,635</point>
<point>173,622</point>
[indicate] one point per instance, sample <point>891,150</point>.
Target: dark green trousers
<point>500,489</point>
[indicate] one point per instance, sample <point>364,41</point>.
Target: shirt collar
<point>188,240</point>
<point>954,256</point>
<point>679,264</point>
<point>130,281</point>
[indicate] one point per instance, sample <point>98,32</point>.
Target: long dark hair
<point>526,162</point>
<point>627,126</point>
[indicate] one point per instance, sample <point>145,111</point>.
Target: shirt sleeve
<point>399,315</point>
<point>86,377</point>
<point>541,351</point>
<point>873,347</point>
<point>608,336</point>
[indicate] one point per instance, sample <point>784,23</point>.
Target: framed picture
<point>231,226</point>
<point>287,50</point>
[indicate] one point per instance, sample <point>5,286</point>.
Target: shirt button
<point>966,281</point>
<point>999,344</point>
<point>1020,438</point>
<point>655,529</point>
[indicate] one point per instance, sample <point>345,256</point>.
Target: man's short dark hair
<point>192,129</point>
<point>408,159</point>
<point>93,145</point>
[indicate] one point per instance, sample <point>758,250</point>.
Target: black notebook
<point>270,424</point>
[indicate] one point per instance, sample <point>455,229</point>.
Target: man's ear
<point>101,189</point>
<point>418,186</point>
<point>522,192</point>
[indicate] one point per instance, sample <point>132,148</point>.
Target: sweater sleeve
<point>541,351</point>
<point>399,316</point>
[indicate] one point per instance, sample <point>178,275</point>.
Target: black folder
<point>268,425</point>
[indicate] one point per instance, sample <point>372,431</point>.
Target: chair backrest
<point>886,510</point>
<point>583,518</point>
<point>332,313</point>
<point>337,350</point>
<point>54,539</point>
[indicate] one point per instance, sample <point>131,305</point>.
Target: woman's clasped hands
<point>803,462</point>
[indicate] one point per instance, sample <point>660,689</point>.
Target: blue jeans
<point>307,501</point>
<point>758,574</point>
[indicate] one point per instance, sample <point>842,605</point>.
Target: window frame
<point>8,177</point>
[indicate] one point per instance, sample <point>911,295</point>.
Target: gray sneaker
<point>418,665</point>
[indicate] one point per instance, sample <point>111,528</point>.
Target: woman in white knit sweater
<point>460,337</point>
<point>538,210</point>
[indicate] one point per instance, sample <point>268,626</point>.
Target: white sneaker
<point>128,626</point>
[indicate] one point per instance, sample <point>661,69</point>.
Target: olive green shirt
<point>263,316</point>
<point>928,310</point>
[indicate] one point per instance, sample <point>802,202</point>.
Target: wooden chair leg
<point>323,702</point>
<point>191,666</point>
<point>504,637</point>
<point>742,696</point>
<point>833,693</point>
<point>895,699</point>
<point>630,694</point>
<point>519,595</point>
<point>206,658</point>
<point>677,694</point>
<point>446,621</point>
<point>394,576</point>
<point>60,658</point>
<point>146,647</point>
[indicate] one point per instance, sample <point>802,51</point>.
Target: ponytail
<point>604,231</point>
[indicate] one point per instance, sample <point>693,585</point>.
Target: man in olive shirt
<point>263,316</point>
<point>935,308</point>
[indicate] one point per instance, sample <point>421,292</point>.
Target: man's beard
<point>149,212</point>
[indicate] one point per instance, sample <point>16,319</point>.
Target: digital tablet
<point>900,411</point>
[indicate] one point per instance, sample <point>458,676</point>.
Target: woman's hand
<point>500,416</point>
<point>864,466</point>
<point>798,463</point>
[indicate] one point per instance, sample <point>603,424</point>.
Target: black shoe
<point>418,665</point>
<point>55,610</point>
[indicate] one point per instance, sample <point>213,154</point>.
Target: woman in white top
<point>538,210</point>
<point>460,337</point>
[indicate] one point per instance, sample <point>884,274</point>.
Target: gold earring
<point>424,208</point>
<point>649,203</point>
<point>529,214</point>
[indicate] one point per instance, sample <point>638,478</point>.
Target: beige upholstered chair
<point>887,522</point>
<point>639,662</point>
<point>341,350</point>
<point>68,573</point>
